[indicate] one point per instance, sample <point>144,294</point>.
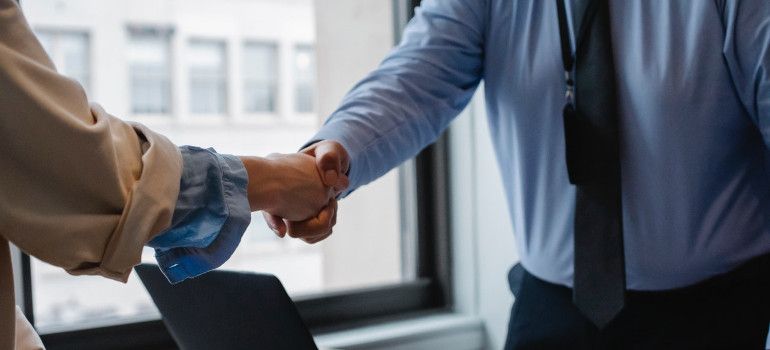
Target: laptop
<point>227,310</point>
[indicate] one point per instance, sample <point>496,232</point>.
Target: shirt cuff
<point>210,217</point>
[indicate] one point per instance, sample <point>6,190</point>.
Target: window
<point>304,68</point>
<point>379,249</point>
<point>260,77</point>
<point>69,51</point>
<point>208,77</point>
<point>149,67</point>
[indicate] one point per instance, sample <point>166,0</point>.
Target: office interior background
<point>259,76</point>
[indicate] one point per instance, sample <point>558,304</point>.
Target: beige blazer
<point>79,188</point>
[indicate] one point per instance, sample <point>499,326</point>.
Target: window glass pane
<point>259,69</point>
<point>69,51</point>
<point>208,83</point>
<point>151,50</point>
<point>304,65</point>
<point>149,67</point>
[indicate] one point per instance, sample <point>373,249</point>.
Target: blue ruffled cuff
<point>211,215</point>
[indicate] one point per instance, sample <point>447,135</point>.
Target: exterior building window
<point>260,77</point>
<point>150,70</point>
<point>208,77</point>
<point>160,60</point>
<point>304,79</point>
<point>70,53</point>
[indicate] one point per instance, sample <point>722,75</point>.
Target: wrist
<point>261,181</point>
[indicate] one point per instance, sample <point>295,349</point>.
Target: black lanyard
<point>567,58</point>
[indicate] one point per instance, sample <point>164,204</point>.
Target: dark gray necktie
<point>592,141</point>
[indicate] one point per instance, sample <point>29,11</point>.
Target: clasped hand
<point>297,192</point>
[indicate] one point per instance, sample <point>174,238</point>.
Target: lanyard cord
<point>566,50</point>
<point>567,58</point>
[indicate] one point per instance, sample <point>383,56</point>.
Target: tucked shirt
<point>211,214</point>
<point>694,100</point>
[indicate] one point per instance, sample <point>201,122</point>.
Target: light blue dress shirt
<point>211,215</point>
<point>694,97</point>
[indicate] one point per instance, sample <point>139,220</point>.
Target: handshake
<point>297,192</point>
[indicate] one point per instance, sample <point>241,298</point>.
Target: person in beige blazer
<point>85,191</point>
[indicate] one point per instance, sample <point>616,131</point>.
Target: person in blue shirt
<point>693,96</point>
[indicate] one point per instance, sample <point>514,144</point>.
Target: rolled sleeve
<point>211,215</point>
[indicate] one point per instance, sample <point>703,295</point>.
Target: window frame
<point>429,292</point>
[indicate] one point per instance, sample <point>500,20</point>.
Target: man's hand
<point>332,162</point>
<point>288,186</point>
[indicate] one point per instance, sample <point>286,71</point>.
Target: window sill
<point>444,331</point>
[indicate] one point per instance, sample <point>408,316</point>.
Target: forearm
<point>261,174</point>
<point>407,102</point>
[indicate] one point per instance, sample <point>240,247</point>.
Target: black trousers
<point>730,311</point>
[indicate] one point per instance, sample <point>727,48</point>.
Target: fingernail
<point>330,176</point>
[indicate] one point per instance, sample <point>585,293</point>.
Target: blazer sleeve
<point>79,188</point>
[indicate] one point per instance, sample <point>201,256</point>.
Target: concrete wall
<point>352,38</point>
<point>483,244</point>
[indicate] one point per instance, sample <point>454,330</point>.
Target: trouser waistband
<point>754,272</point>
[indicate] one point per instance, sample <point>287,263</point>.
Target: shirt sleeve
<point>747,54</point>
<point>407,102</point>
<point>211,215</point>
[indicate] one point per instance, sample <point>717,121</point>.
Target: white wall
<point>483,243</point>
<point>352,38</point>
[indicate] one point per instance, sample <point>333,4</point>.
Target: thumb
<point>329,160</point>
